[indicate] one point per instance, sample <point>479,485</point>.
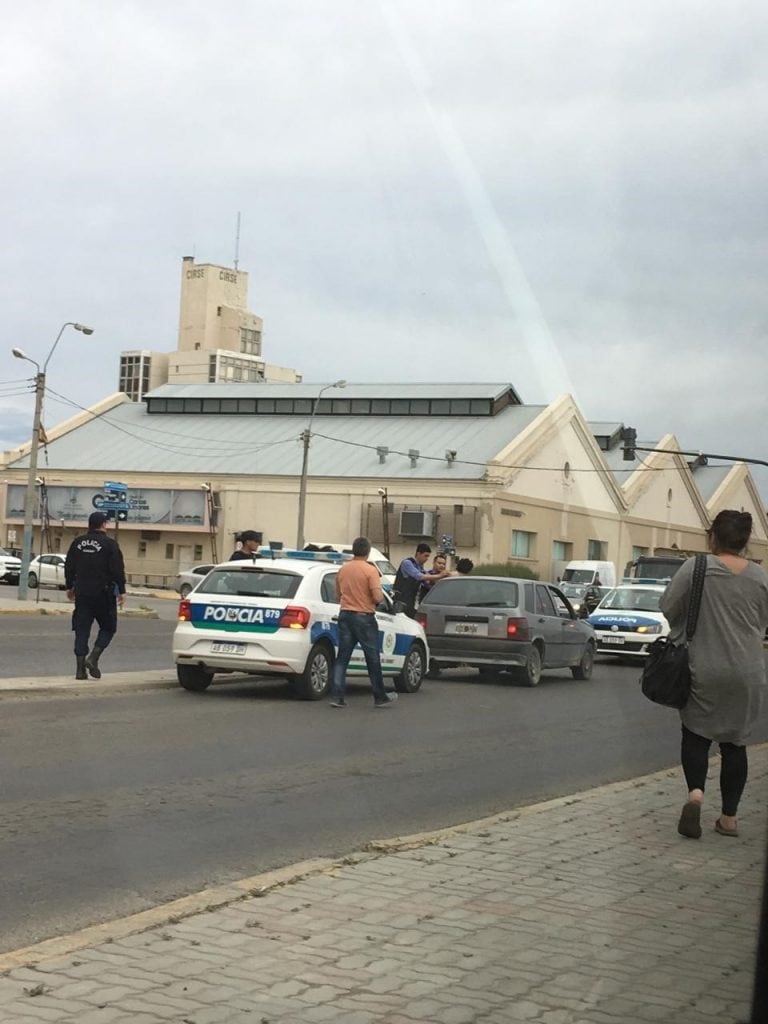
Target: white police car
<point>628,620</point>
<point>277,615</point>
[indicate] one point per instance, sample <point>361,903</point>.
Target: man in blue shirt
<point>411,575</point>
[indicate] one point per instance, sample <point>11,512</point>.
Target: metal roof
<point>127,439</point>
<point>623,469</point>
<point>709,478</point>
<point>263,389</point>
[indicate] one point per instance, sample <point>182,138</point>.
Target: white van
<point>589,573</point>
<point>376,557</point>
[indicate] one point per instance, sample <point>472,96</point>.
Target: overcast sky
<point>569,196</point>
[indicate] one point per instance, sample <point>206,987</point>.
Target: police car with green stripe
<point>277,615</point>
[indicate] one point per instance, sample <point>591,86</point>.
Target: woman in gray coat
<point>727,666</point>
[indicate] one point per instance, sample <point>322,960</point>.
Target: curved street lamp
<point>306,437</point>
<point>29,497</point>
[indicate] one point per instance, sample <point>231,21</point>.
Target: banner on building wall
<point>147,506</point>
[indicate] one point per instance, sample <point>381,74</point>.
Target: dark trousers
<point>103,609</point>
<point>694,754</point>
<point>358,628</point>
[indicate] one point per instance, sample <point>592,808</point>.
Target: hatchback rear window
<point>474,593</point>
<point>250,582</point>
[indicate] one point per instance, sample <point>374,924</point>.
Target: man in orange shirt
<point>358,590</point>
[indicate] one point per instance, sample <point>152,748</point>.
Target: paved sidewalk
<point>588,909</point>
<point>45,606</point>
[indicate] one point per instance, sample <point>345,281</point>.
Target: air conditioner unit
<point>417,524</point>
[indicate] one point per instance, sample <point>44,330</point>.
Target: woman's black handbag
<point>666,677</point>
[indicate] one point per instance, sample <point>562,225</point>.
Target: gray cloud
<point>621,149</point>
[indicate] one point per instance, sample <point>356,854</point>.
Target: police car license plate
<point>467,628</point>
<point>222,648</point>
<point>613,639</point>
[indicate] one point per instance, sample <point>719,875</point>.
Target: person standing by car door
<point>95,579</point>
<point>410,576</point>
<point>358,590</point>
<point>249,546</point>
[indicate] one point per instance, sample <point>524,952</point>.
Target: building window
<point>169,550</point>
<point>250,341</point>
<point>596,550</point>
<point>142,550</point>
<point>561,550</point>
<point>522,544</point>
<point>638,552</point>
<point>198,552</point>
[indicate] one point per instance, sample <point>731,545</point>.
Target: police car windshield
<point>250,582</point>
<point>385,568</point>
<point>634,599</point>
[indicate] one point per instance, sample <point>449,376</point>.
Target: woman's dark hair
<point>730,531</point>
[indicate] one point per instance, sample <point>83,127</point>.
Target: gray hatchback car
<point>496,624</point>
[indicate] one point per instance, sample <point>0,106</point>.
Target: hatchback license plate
<point>222,648</point>
<point>613,639</point>
<point>467,628</point>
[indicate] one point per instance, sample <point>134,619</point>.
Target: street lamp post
<point>306,437</point>
<point>29,497</point>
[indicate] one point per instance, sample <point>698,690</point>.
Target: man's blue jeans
<point>358,628</point>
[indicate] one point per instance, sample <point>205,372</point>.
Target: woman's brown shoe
<point>722,831</point>
<point>690,821</point>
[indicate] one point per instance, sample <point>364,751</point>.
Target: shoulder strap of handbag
<point>697,589</point>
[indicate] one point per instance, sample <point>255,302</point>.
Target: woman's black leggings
<point>694,754</point>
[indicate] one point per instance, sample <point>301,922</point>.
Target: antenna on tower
<point>237,241</point>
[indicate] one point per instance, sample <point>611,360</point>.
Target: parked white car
<point>10,567</point>
<point>279,617</point>
<point>189,578</point>
<point>47,571</point>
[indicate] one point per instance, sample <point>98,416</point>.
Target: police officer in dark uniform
<point>249,540</point>
<point>95,577</point>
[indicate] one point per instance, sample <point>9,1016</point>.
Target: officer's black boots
<point>92,662</point>
<point>80,673</point>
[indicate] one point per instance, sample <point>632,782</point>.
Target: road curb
<point>110,683</point>
<point>49,609</point>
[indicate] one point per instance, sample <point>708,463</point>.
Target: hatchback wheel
<point>530,674</point>
<point>315,680</point>
<point>32,580</point>
<point>584,669</point>
<point>409,679</point>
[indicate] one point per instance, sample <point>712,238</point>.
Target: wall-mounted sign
<point>144,505</point>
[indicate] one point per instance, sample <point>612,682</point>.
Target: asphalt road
<point>32,645</point>
<point>117,802</point>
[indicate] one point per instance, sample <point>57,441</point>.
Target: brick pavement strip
<point>588,909</point>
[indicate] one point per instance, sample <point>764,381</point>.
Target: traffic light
<point>629,437</point>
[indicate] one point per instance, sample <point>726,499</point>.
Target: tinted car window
<point>250,583</point>
<point>473,592</point>
<point>328,588</point>
<point>544,604</point>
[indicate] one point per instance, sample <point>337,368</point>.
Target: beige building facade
<point>497,480</point>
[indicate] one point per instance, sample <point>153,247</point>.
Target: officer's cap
<point>96,520</point>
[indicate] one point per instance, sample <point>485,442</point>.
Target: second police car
<point>628,620</point>
<point>277,615</point>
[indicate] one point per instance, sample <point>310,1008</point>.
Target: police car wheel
<point>315,681</point>
<point>412,672</point>
<point>194,677</point>
<point>584,669</point>
<point>32,580</point>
